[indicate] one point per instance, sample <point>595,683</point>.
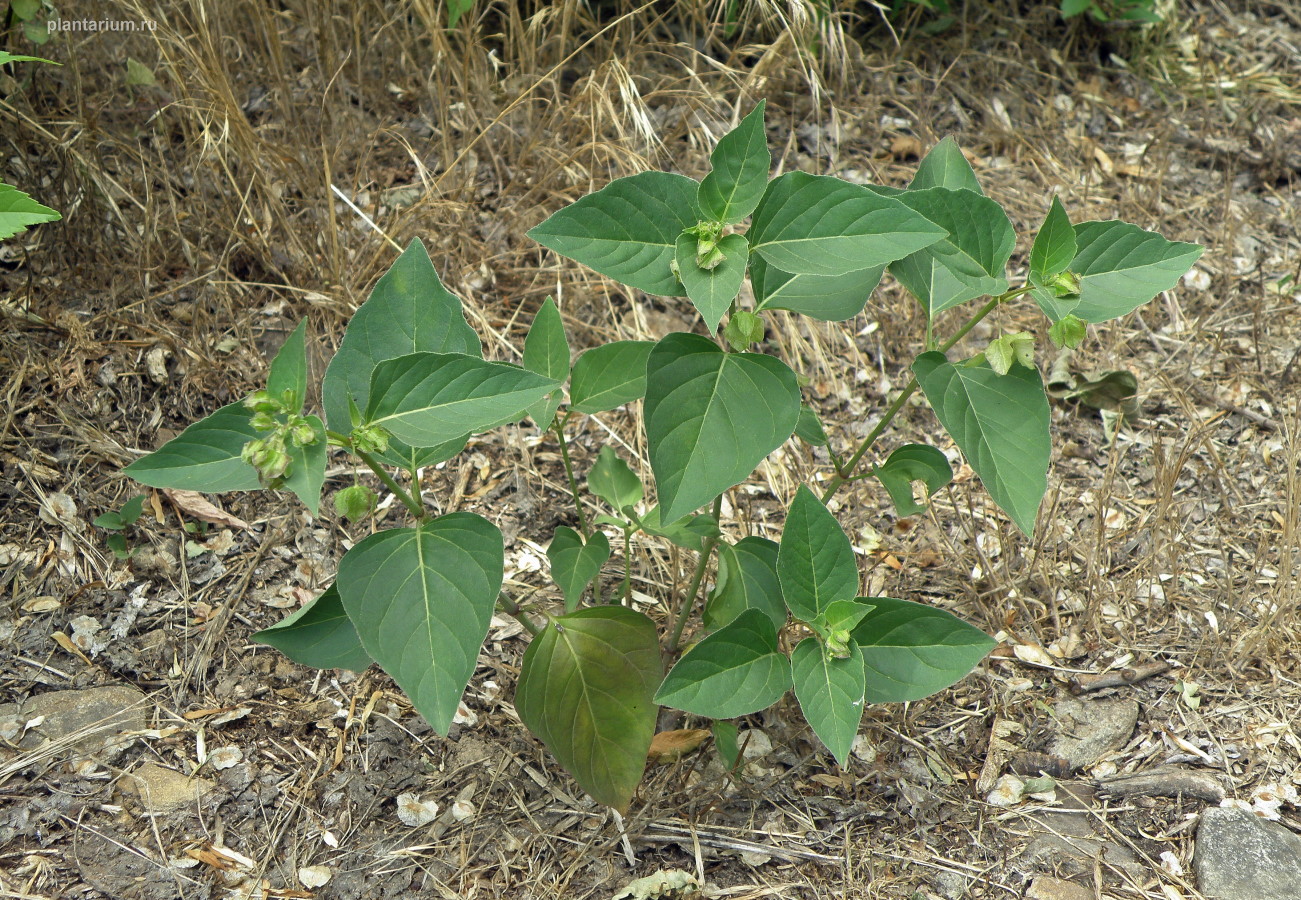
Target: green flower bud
<point>1068,331</point>
<point>743,329</point>
<point>1065,285</point>
<point>838,644</point>
<point>354,503</point>
<point>370,439</point>
<point>301,432</point>
<point>262,402</point>
<point>263,421</point>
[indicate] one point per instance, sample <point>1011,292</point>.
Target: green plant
<point>409,385</point>
<point>1141,11</point>
<point>17,210</point>
<point>33,17</point>
<point>118,522</point>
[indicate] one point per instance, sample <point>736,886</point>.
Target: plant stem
<point>514,610</point>
<point>689,600</point>
<point>559,428</point>
<point>627,565</point>
<point>845,472</point>
<point>411,502</point>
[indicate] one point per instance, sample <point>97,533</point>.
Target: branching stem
<point>411,501</point>
<point>515,611</point>
<point>558,426</point>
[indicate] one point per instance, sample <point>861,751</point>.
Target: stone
<point>1068,843</point>
<point>1090,729</point>
<point>1239,856</point>
<point>163,790</point>
<point>95,723</point>
<point>1047,888</point>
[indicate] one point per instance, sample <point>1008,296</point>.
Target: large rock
<point>88,726</point>
<point>1240,856</point>
<point>1091,729</point>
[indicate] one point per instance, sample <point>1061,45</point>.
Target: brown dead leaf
<point>671,746</point>
<point>195,504</point>
<point>906,147</point>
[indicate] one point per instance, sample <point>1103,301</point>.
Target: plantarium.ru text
<point>409,385</point>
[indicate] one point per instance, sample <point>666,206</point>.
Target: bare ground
<point>200,225</point>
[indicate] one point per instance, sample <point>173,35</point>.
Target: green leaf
<point>614,481</point>
<point>725,742</point>
<point>831,692</point>
<point>712,417</point>
<point>819,225</point>
<point>1054,246</point>
<point>743,329</point>
<point>431,398</point>
<point>421,599</point>
<point>712,291</point>
<point>204,457</point>
<point>546,353</point>
<point>120,519</point>
<point>909,463</point>
<point>307,469</point>
<point>911,651</point>
<point>1121,267</point>
<point>586,689</point>
<point>747,579</point>
<point>739,172</point>
<point>841,615</point>
<point>409,311</point>
<point>815,561</point>
<point>627,230</point>
<point>117,543</point>
<point>574,564</point>
<point>688,532</point>
<point>609,376</point>
<point>733,672</point>
<point>456,9</point>
<point>17,210</point>
<point>1001,424</point>
<point>832,298</point>
<point>289,369</point>
<point>969,262</point>
<point>319,635</point>
<point>946,166</point>
<point>809,428</point>
<point>138,74</point>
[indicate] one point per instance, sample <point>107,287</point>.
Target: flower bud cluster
<point>286,429</point>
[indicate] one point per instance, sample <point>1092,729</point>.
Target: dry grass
<point>203,217</point>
